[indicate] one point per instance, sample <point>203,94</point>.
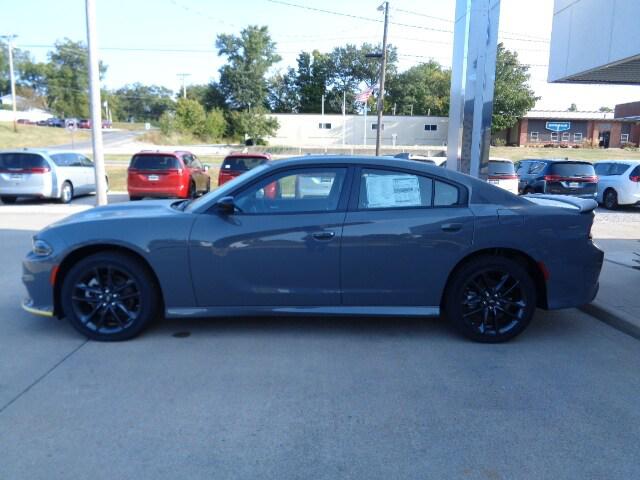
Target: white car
<point>618,182</point>
<point>502,173</point>
<point>44,174</point>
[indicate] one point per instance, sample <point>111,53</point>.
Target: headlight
<point>41,248</point>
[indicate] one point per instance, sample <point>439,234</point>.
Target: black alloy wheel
<point>109,296</point>
<point>610,199</point>
<point>192,190</point>
<point>491,299</point>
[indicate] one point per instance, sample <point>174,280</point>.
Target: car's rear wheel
<point>528,191</point>
<point>610,199</point>
<point>192,190</point>
<point>109,296</point>
<point>66,192</point>
<point>490,299</point>
<point>208,189</point>
<point>8,200</point>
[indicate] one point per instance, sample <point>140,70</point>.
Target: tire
<point>528,191</point>
<point>126,289</point>
<point>66,192</point>
<point>134,199</point>
<point>490,299</point>
<point>610,199</point>
<point>192,190</point>
<point>208,189</point>
<point>9,200</point>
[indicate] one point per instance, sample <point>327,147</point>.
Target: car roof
<point>619,160</point>
<point>496,159</point>
<point>161,152</point>
<point>39,151</point>
<point>555,160</point>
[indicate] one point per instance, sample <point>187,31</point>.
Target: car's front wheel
<point>490,299</point>
<point>109,296</point>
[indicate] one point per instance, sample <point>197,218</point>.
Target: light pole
<point>184,85</point>
<point>383,71</point>
<point>12,77</point>
<point>96,105</point>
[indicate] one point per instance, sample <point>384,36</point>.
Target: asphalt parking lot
<point>311,397</point>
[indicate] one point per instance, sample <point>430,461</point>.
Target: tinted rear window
<point>573,169</point>
<point>635,172</point>
<point>21,160</point>
<point>154,162</point>
<point>242,163</point>
<point>501,168</point>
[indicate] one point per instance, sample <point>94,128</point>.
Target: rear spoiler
<point>583,205</point>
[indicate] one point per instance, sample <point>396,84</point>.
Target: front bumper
<point>29,306</point>
<point>36,277</point>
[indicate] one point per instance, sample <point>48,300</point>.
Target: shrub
<point>215,125</point>
<point>499,142</point>
<point>190,117</point>
<point>167,123</point>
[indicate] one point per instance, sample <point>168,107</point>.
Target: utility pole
<point>96,105</point>
<point>394,109</point>
<point>383,71</point>
<point>12,77</point>
<point>184,86</point>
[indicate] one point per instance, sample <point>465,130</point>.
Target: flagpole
<point>364,141</point>
<point>344,115</point>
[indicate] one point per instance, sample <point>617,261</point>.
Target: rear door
<point>69,168</point>
<point>403,234</point>
<point>88,173</point>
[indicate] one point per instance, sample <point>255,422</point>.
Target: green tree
<point>208,95</point>
<point>142,103</point>
<point>249,56</point>
<point>423,89</point>
<point>67,79</point>
<point>513,97</point>
<point>312,79</point>
<point>605,109</point>
<point>190,117</point>
<point>215,125</point>
<point>283,94</point>
<point>254,123</point>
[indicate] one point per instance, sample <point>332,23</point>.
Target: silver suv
<point>45,174</point>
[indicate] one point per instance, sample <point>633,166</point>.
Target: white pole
<point>96,105</point>
<point>323,108</point>
<point>364,141</point>
<point>12,79</point>
<point>344,115</point>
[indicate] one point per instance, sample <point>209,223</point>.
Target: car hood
<point>140,209</point>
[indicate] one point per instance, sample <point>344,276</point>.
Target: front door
<point>282,246</point>
<point>401,238</point>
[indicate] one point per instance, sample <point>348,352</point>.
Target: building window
<point>624,138</point>
<point>374,126</point>
<point>577,137</point>
<point>566,136</point>
<point>324,126</point>
<point>554,136</point>
<point>430,128</point>
<point>534,136</point>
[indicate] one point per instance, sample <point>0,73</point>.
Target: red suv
<point>166,174</point>
<point>237,163</point>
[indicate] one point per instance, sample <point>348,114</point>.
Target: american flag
<point>364,96</point>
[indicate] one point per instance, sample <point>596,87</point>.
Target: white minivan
<point>45,174</point>
<point>618,182</point>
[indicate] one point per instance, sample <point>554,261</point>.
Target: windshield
<point>228,187</point>
<point>573,169</point>
<point>154,162</point>
<point>242,163</point>
<point>500,168</point>
<point>21,161</point>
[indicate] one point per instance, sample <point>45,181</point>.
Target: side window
<point>618,168</point>
<point>187,159</point>
<point>195,163</point>
<point>299,190</point>
<point>445,194</point>
<point>536,167</point>
<point>602,169</point>
<point>522,168</point>
<point>84,161</point>
<point>388,189</point>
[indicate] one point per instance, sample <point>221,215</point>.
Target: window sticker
<point>384,191</point>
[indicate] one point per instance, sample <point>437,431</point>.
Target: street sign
<point>72,126</point>
<point>558,126</point>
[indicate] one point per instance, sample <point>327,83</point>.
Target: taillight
<point>558,178</point>
<point>553,178</point>
<point>26,170</point>
<point>634,178</point>
<point>502,177</point>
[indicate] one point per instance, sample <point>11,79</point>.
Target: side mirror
<point>206,167</point>
<point>226,205</point>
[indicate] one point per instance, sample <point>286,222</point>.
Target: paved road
<point>313,398</point>
<point>110,138</point>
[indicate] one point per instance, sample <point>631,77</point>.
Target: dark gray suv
<point>558,177</point>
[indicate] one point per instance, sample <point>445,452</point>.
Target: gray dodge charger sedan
<point>382,237</point>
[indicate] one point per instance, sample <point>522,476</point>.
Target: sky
<point>135,37</point>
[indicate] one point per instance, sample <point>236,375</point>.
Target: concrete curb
<point>615,318</point>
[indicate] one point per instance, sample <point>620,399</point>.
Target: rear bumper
<point>180,191</point>
<point>36,192</point>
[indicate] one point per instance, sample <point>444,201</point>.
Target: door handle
<point>323,235</point>
<point>451,227</point>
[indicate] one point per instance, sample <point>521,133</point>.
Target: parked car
<point>84,123</point>
<point>106,124</point>
<point>166,174</point>
<point>439,161</point>
<point>389,237</point>
<point>559,177</point>
<point>502,173</point>
<point>618,182</point>
<point>24,121</point>
<point>237,163</point>
<point>55,122</point>
<point>45,174</point>
<point>42,123</point>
